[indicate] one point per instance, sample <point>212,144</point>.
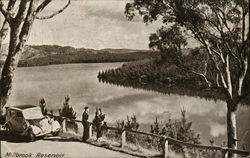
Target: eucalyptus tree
<point>19,18</point>
<point>221,28</point>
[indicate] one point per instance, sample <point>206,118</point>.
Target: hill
<point>54,54</point>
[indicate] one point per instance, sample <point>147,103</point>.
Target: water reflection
<point>80,82</point>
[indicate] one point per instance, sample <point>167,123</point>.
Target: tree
<point>155,127</point>
<point>131,123</point>
<point>179,130</point>
<point>43,106</point>
<point>67,110</point>
<point>221,29</point>
<point>5,26</point>
<point>19,24</point>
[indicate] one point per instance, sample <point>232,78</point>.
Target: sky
<point>94,24</point>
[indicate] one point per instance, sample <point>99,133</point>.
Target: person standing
<point>99,118</point>
<point>86,124</point>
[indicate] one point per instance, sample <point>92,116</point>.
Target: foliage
<point>145,71</point>
<point>218,26</point>
<point>67,110</point>
<point>180,130</point>
<point>162,76</point>
<point>131,123</point>
<point>160,40</point>
<point>221,29</point>
<point>155,129</point>
<point>42,104</point>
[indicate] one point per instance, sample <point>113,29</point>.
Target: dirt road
<point>55,149</point>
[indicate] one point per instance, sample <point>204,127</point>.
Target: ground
<point>10,147</point>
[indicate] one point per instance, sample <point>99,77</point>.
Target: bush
<point>42,104</point>
<point>180,130</point>
<point>131,123</point>
<point>68,112</point>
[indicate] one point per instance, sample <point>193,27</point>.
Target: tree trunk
<point>3,33</point>
<point>18,36</point>
<point>5,28</point>
<point>20,27</point>
<point>231,128</point>
<point>11,62</point>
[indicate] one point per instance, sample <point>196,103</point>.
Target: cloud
<point>92,24</point>
<point>107,9</point>
<point>217,129</point>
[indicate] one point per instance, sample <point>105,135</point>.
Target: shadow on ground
<point>14,138</point>
<point>8,137</point>
<point>65,137</point>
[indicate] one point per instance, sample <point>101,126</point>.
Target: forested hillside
<point>53,54</point>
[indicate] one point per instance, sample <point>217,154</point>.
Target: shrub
<point>180,130</point>
<point>68,112</point>
<point>131,123</point>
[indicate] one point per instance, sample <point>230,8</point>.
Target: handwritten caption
<point>33,155</point>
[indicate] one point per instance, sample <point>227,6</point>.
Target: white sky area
<point>91,24</point>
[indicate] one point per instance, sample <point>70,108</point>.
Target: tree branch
<point>220,29</point>
<point>219,54</point>
<point>55,13</point>
<point>201,39</point>
<point>215,64</point>
<point>5,27</point>
<point>6,13</point>
<point>224,21</point>
<point>42,6</point>
<point>29,19</point>
<point>243,46</point>
<point>245,66</point>
<point>217,80</point>
<point>244,13</point>
<point>202,75</point>
<point>21,12</point>
<point>228,76</point>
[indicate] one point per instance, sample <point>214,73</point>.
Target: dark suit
<point>86,124</point>
<point>98,120</point>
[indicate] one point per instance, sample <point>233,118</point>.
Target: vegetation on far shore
<point>53,54</point>
<point>163,75</point>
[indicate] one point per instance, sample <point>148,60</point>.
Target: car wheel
<point>31,136</point>
<point>7,127</point>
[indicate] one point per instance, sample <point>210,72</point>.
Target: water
<point>80,82</point>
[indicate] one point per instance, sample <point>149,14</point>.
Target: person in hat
<point>86,124</point>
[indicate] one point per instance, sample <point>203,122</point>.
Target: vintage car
<point>28,120</point>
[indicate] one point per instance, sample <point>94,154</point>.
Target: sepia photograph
<point>124,79</point>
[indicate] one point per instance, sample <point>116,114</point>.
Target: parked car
<point>28,120</point>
